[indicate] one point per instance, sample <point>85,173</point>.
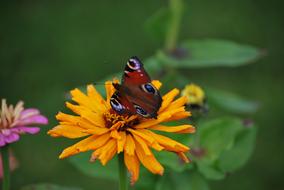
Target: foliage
<point>81,161</point>
<point>223,140</point>
<point>48,187</point>
<point>221,145</point>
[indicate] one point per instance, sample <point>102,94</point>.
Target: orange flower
<point>110,134</point>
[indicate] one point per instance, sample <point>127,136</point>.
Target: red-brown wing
<point>146,102</point>
<point>136,94</point>
<point>136,86</point>
<point>134,73</point>
<point>121,104</point>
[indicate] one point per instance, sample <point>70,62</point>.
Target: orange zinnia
<point>110,134</point>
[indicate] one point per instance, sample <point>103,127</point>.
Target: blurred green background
<point>50,47</point>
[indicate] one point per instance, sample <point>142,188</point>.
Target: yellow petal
<point>67,118</point>
<point>175,129</point>
<point>121,142</point>
<point>155,145</point>
<point>114,134</point>
<point>86,124</point>
<point>96,130</point>
<point>109,90</point>
<point>178,116</point>
<point>166,115</point>
<point>143,144</point>
<point>141,134</point>
<point>68,131</point>
<point>149,161</point>
<point>131,118</point>
<point>129,146</point>
<point>183,157</point>
<point>82,99</point>
<point>93,94</point>
<point>106,152</point>
<point>147,137</point>
<point>133,165</point>
<point>157,84</point>
<point>76,108</point>
<point>117,125</point>
<point>148,123</point>
<point>160,118</point>
<point>169,144</point>
<point>95,118</point>
<point>168,98</point>
<point>177,103</point>
<point>90,143</point>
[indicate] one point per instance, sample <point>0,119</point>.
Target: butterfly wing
<point>137,87</point>
<point>134,73</point>
<point>146,103</point>
<point>121,104</point>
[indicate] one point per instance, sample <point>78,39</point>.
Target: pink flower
<point>17,121</point>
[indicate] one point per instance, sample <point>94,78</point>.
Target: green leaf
<point>210,170</point>
<point>171,161</point>
<point>238,155</point>
<point>46,186</point>
<point>96,169</point>
<point>211,53</point>
<point>218,135</point>
<point>215,137</point>
<point>182,181</point>
<point>227,145</point>
<point>230,102</point>
<point>157,24</point>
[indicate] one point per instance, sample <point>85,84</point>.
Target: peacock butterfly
<point>136,94</point>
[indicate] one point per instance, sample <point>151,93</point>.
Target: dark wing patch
<point>121,104</point>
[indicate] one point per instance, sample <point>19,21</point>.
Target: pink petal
<point>13,137</point>
<point>2,141</point>
<point>24,129</point>
<point>29,112</point>
<point>36,119</point>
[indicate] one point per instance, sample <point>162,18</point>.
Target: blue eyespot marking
<point>141,111</point>
<point>134,63</point>
<point>149,88</point>
<point>116,105</point>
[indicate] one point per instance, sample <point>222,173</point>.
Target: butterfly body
<point>136,94</point>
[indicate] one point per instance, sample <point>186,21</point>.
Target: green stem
<point>122,173</point>
<point>176,8</point>
<point>6,167</point>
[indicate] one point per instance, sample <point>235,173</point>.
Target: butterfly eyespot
<point>116,105</point>
<point>141,111</point>
<point>133,64</point>
<point>149,88</point>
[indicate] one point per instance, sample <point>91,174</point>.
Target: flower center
<point>6,121</point>
<point>112,118</point>
<point>9,115</point>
